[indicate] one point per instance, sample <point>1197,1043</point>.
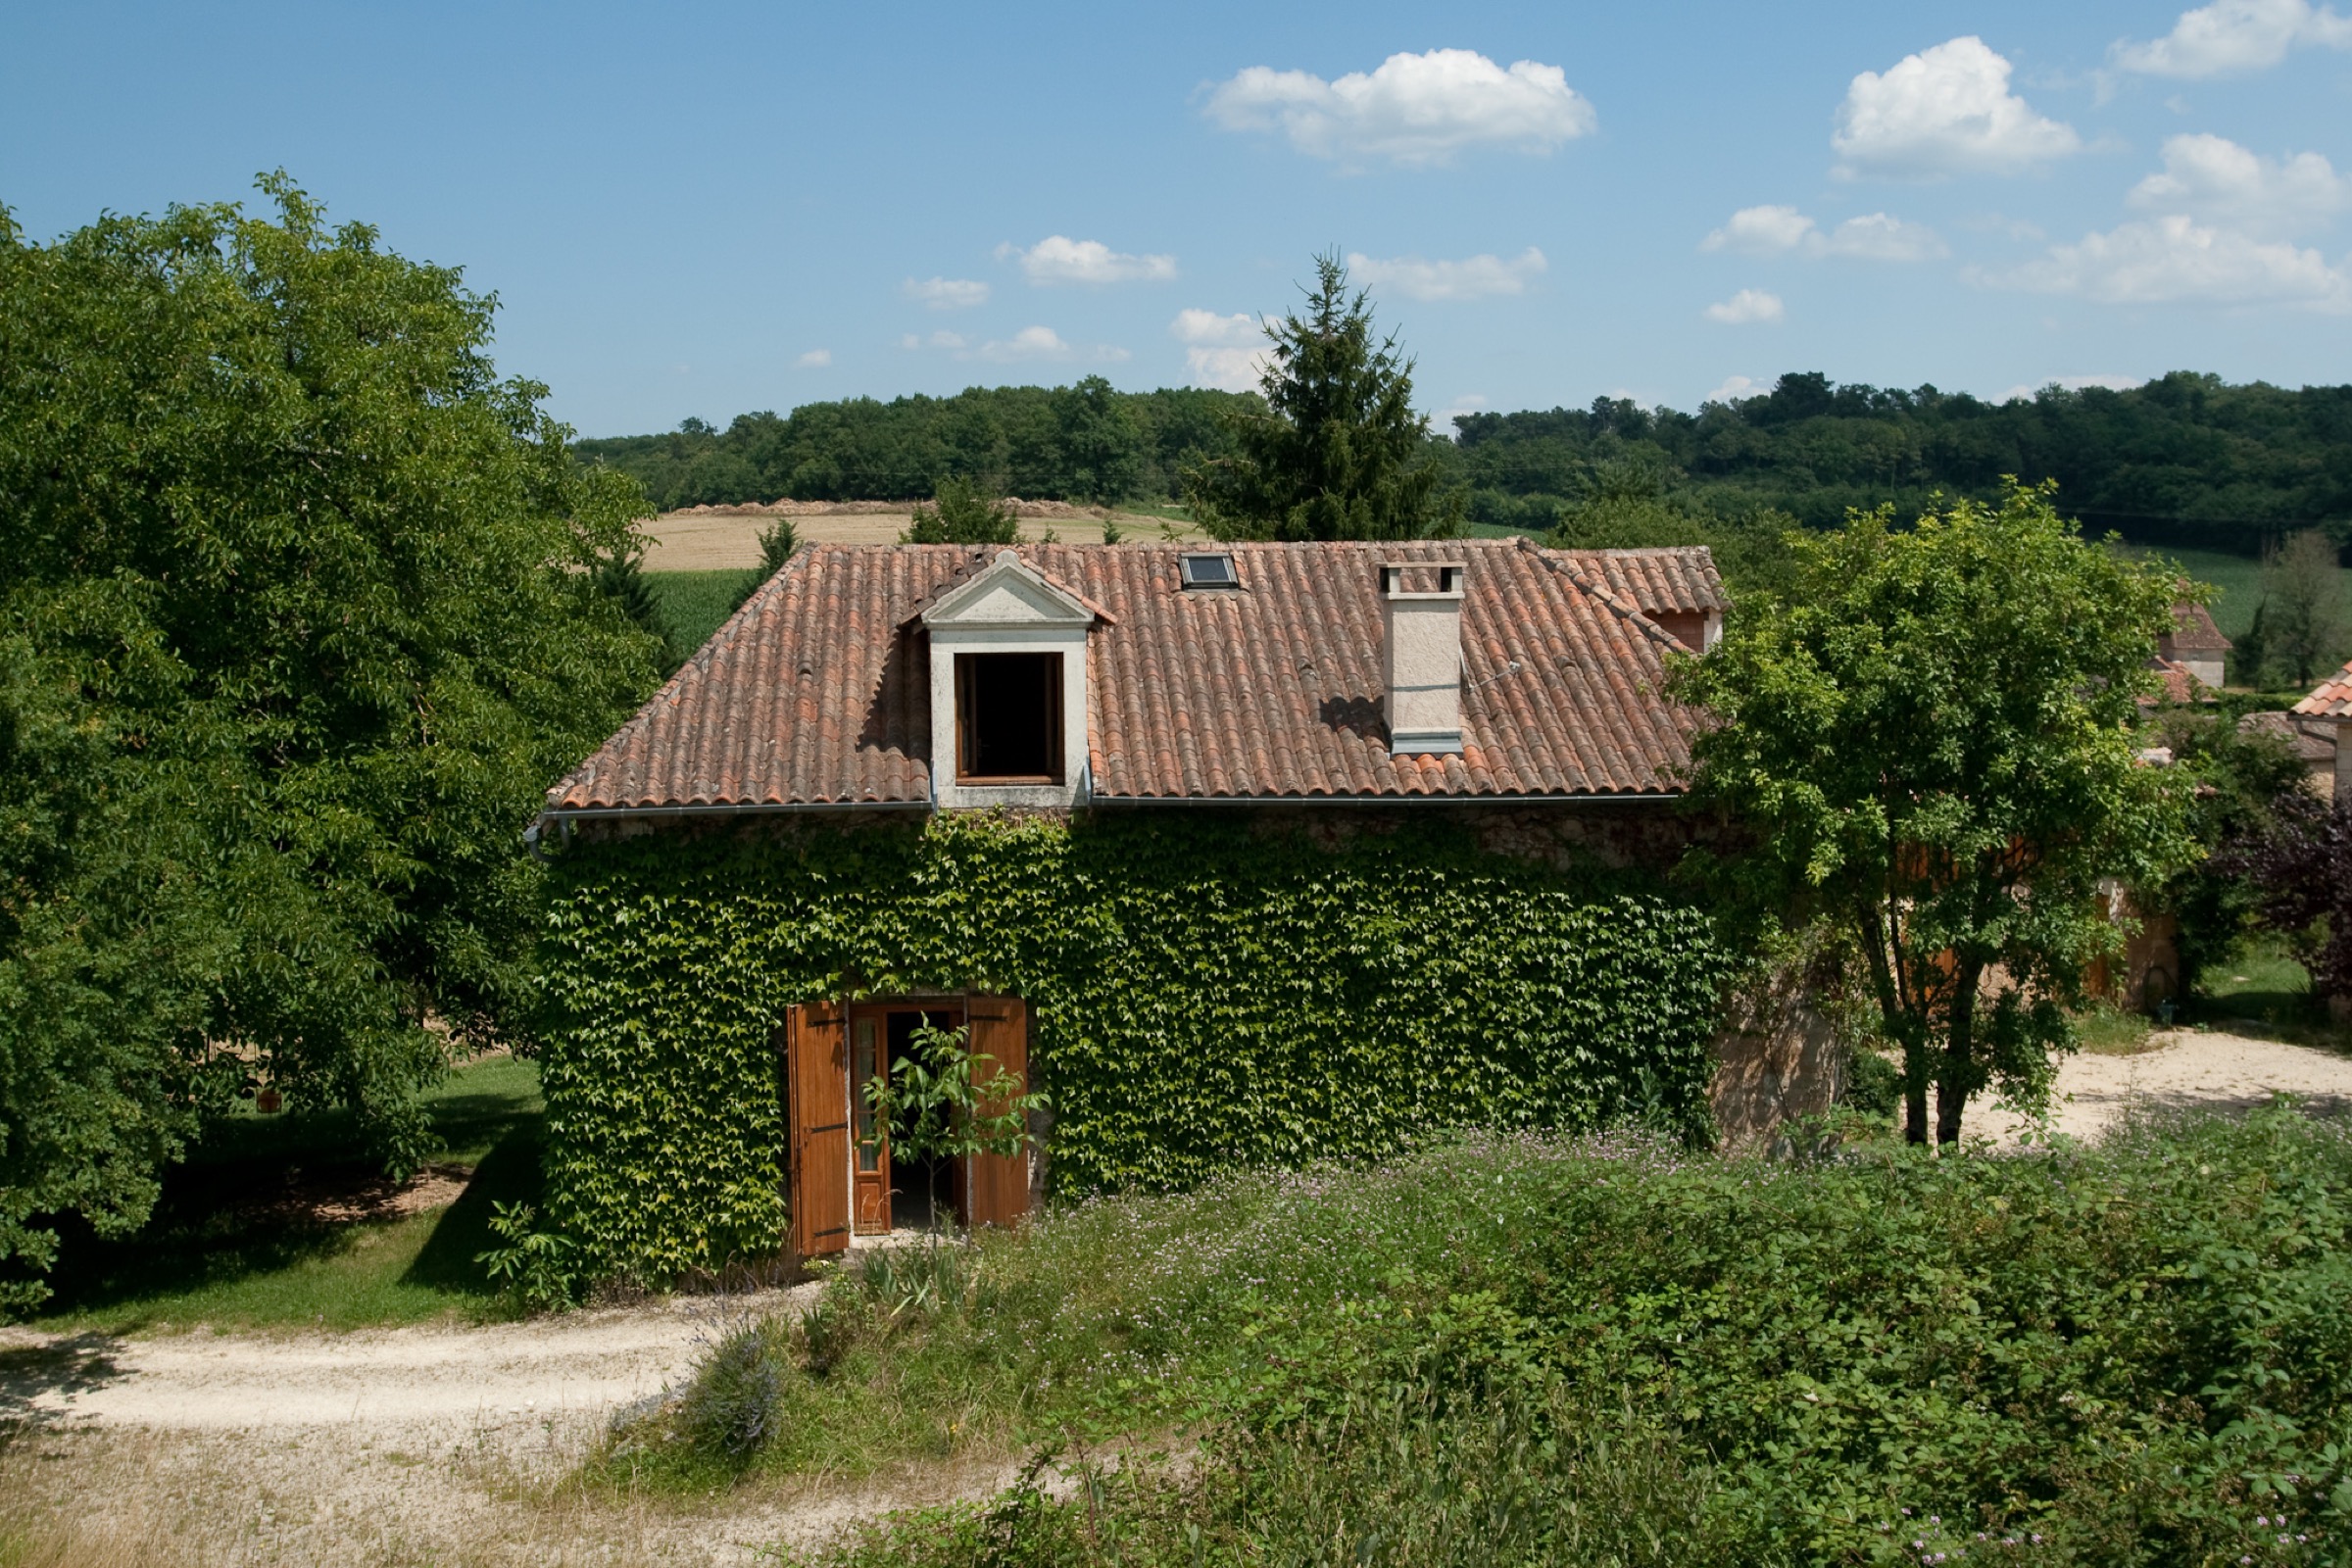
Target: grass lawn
<point>2238,579</point>
<point>695,603</point>
<point>223,1250</point>
<point>2263,986</point>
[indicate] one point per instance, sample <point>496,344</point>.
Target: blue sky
<point>702,210</point>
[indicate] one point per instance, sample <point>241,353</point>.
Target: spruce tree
<point>1335,451</point>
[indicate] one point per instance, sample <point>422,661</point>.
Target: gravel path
<point>2183,1068</point>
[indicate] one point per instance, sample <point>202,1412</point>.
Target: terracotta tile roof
<point>2179,686</point>
<point>2193,632</point>
<point>2331,698</point>
<point>816,692</point>
<point>1677,579</point>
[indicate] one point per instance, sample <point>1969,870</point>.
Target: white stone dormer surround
<point>1009,608</point>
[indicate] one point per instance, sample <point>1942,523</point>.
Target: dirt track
<point>447,1444</point>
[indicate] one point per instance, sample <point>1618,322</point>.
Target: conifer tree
<point>1336,451</point>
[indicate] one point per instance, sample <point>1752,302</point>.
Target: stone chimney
<point>1425,656</point>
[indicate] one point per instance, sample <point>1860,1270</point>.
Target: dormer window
<point>1209,571</point>
<point>1009,718</point>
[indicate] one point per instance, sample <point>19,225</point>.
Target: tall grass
<point>2134,1352</point>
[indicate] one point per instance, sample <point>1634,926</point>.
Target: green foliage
<point>1337,452</point>
<point>936,1099</point>
<point>962,513</point>
<point>1933,739</point>
<point>1202,992</point>
<point>779,542</point>
<point>1874,1086</point>
<point>2299,627</point>
<point>695,604</point>
<point>2237,776</point>
<point>2184,461</point>
<point>621,578</point>
<point>2129,1356</point>
<point>533,1266</point>
<point>1082,443</point>
<point>299,609</point>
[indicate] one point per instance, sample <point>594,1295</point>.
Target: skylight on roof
<point>1209,571</point>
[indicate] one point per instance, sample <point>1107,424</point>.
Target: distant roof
<point>2331,698</point>
<point>2179,685</point>
<point>2193,632</point>
<point>2312,741</point>
<point>817,691</point>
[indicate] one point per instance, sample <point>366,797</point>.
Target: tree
<point>943,1100</point>
<point>2240,777</point>
<point>779,542</point>
<point>1102,444</point>
<point>1930,740</point>
<point>301,607</point>
<point>1337,452</point>
<point>961,513</point>
<point>2299,865</point>
<point>2302,605</point>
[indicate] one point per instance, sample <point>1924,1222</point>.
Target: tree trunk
<point>1959,1052</point>
<point>1915,1094</point>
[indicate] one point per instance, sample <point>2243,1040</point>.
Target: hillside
<point>2187,460</point>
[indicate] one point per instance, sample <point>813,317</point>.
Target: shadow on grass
<point>507,1174</point>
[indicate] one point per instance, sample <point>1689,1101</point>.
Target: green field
<point>2236,579</point>
<point>695,604</point>
<point>222,1247</point>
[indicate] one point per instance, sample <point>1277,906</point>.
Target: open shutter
<point>816,1061</point>
<point>997,1186</point>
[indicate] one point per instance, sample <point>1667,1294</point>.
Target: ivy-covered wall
<point>1204,989</point>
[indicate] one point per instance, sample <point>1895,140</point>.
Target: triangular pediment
<point>1009,593</point>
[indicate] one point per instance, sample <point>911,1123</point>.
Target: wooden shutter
<point>997,1186</point>
<point>817,1064</point>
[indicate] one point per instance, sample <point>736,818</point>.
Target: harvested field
<point>727,538</point>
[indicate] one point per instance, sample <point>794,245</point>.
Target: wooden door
<point>870,1174</point>
<point>817,1067</point>
<point>997,1186</point>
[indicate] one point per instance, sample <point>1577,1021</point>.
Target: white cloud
<point>1777,230</point>
<point>2214,177</point>
<point>937,340</point>
<point>2232,37</point>
<point>1029,343</point>
<point>2175,259</point>
<point>1943,110</point>
<point>945,293</point>
<point>1057,259</point>
<point>1226,352</point>
<point>1474,277</point>
<point>1468,403</point>
<point>2071,383</point>
<point>1415,110</point>
<point>1736,387</point>
<point>1747,305</point>
<point>815,359</point>
<point>1762,231</point>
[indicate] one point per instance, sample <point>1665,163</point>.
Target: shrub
<point>736,1392</point>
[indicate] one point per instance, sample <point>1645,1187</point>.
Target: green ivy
<point>1204,991</point>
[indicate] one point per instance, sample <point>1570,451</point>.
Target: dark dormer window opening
<point>1209,571</point>
<point>1009,718</point>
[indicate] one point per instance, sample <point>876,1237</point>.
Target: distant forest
<point>2186,461</point>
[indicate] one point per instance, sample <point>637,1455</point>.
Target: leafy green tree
<point>1102,445</point>
<point>944,1101</point>
<point>2302,607</point>
<point>2239,778</point>
<point>1337,452</point>
<point>779,542</point>
<point>1931,740</point>
<point>962,513</point>
<point>301,607</point>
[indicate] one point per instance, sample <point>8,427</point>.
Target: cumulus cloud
<point>945,293</point>
<point>937,340</point>
<point>2214,177</point>
<point>2175,259</point>
<point>1777,230</point>
<point>1413,110</point>
<point>1057,259</point>
<point>1474,277</point>
<point>1747,305</point>
<point>2069,383</point>
<point>815,359</point>
<point>1029,343</point>
<point>2231,37</point>
<point>1226,352</point>
<point>1943,110</point>
<point>1736,387</point>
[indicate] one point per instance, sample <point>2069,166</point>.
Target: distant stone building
<point>2195,643</point>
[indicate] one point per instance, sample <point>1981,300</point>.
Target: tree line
<point>2186,461</point>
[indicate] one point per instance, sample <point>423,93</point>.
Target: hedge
<point>1205,991</point>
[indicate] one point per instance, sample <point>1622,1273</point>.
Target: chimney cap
<point>1451,575</point>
